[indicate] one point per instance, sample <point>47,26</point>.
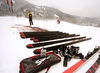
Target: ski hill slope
<point>13,48</point>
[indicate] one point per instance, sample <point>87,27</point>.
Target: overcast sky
<point>86,8</point>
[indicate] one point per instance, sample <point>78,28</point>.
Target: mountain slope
<point>44,12</point>
<point>22,7</point>
<point>4,8</point>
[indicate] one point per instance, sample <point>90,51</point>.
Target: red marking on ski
<point>79,39</point>
<point>36,40</point>
<point>22,35</point>
<point>74,67</point>
<point>30,45</point>
<point>39,50</point>
<point>47,69</point>
<point>93,68</point>
<point>32,38</point>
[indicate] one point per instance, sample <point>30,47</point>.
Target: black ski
<point>52,42</point>
<point>95,66</point>
<point>65,44</point>
<point>53,37</point>
<point>48,36</point>
<point>34,34</point>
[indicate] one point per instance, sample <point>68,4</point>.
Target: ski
<point>37,28</point>
<point>25,29</point>
<point>48,35</point>
<point>53,42</point>
<point>95,66</point>
<point>82,61</point>
<point>36,34</point>
<point>31,29</point>
<point>56,46</point>
<point>53,37</point>
<point>33,33</point>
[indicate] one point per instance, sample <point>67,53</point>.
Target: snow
<point>38,6</point>
<point>13,48</point>
<point>56,16</point>
<point>13,1</point>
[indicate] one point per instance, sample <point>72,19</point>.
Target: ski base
<point>95,66</point>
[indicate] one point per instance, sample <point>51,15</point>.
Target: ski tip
<point>30,46</point>
<point>37,51</point>
<point>22,35</point>
<point>36,40</point>
<point>33,38</point>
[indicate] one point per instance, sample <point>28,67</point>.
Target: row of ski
<point>52,37</point>
<point>59,43</point>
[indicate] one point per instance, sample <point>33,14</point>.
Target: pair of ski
<point>93,68</point>
<point>54,42</point>
<point>64,42</point>
<point>49,37</point>
<point>42,34</point>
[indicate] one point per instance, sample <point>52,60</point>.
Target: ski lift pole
<point>12,7</point>
<point>8,6</point>
<point>12,14</point>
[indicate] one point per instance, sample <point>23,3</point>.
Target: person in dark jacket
<point>58,21</point>
<point>30,18</point>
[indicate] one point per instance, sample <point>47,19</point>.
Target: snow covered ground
<point>13,48</point>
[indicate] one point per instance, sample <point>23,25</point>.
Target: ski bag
<point>37,63</point>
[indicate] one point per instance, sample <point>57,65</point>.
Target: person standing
<point>30,18</point>
<point>58,21</point>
